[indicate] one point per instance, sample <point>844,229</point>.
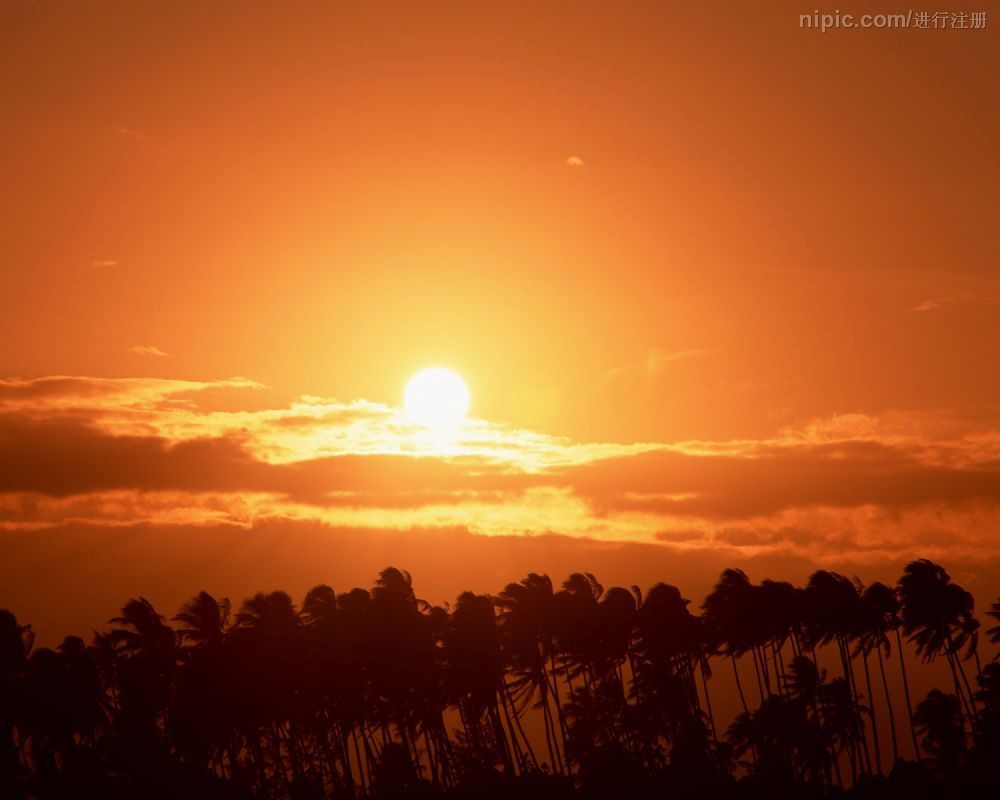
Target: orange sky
<point>766,255</point>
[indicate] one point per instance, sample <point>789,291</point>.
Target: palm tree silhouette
<point>833,608</point>
<point>877,616</point>
<point>939,723</point>
<point>527,627</point>
<point>203,620</point>
<point>376,693</point>
<point>729,618</point>
<point>994,632</point>
<point>937,616</point>
<point>474,676</point>
<point>16,642</point>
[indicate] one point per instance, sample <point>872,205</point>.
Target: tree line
<point>575,691</point>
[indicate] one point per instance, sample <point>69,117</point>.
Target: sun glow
<point>437,398</point>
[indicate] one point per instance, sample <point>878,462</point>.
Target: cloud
<point>574,161</point>
<point>130,133</point>
<point>653,364</point>
<point>658,360</point>
<point>116,452</point>
<point>941,302</point>
<point>103,262</point>
<point>148,350</point>
<point>112,399</point>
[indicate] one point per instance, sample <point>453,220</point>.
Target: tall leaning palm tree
<point>473,679</point>
<point>938,617</point>
<point>729,622</point>
<point>669,654</point>
<point>863,647</point>
<point>877,618</point>
<point>832,609</point>
<point>527,629</point>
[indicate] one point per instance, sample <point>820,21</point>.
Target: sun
<point>436,397</point>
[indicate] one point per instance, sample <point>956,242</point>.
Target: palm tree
<point>63,704</point>
<point>668,651</point>
<point>843,720</point>
<point>143,668</point>
<point>787,742</point>
<point>937,616</point>
<point>264,639</point>
<point>203,620</point>
<point>527,627</point>
<point>778,607</point>
<point>860,634</point>
<point>16,642</point>
<point>939,722</point>
<point>728,615</point>
<point>613,650</point>
<point>139,630</point>
<point>474,674</point>
<point>878,616</point>
<point>989,697</point>
<point>994,632</point>
<point>806,683</point>
<point>574,612</point>
<point>347,695</point>
<point>404,667</point>
<point>832,610</point>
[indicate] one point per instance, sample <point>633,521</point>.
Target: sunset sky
<point>724,291</point>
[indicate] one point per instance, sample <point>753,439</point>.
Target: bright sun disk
<point>436,397</point>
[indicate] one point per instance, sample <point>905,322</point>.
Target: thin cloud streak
<point>941,302</point>
<point>653,364</point>
<point>148,350</point>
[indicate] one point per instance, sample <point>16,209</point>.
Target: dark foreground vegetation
<point>579,692</point>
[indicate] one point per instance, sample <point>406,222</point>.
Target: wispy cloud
<point>103,262</point>
<point>658,360</point>
<point>941,302</point>
<point>653,364</point>
<point>148,350</point>
<point>130,132</point>
<point>574,161</point>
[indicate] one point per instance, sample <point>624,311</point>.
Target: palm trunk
<point>563,730</point>
<point>506,697</point>
<point>557,765</point>
<point>431,760</point>
<point>762,654</point>
<point>888,705</point>
<point>739,685</point>
<point>500,737</point>
<point>871,707</point>
<point>743,702</point>
<point>756,669</point>
<point>906,692</point>
<point>965,711</point>
<point>778,672</point>
<point>357,757</point>
<point>965,680</point>
<point>864,754</point>
<point>708,700</point>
